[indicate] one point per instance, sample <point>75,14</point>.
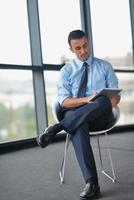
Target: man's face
<point>81,48</point>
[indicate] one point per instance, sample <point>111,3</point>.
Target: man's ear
<point>71,49</point>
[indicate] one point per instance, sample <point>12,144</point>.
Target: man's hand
<point>89,98</point>
<point>115,100</point>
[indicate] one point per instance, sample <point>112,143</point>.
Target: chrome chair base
<point>62,169</point>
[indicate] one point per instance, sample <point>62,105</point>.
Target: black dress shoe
<point>45,138</point>
<point>91,191</point>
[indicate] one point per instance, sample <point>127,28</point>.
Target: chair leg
<point>62,169</point>
<point>112,178</point>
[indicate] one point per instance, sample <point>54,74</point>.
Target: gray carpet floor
<point>33,174</point>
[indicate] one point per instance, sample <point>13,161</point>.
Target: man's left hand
<point>115,100</point>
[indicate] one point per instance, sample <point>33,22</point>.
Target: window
<point>51,78</point>
<point>17,114</point>
<point>126,81</point>
<point>14,35</point>
<point>57,19</point>
<point>112,32</point>
<point>112,41</point>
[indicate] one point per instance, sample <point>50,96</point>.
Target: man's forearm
<point>76,102</point>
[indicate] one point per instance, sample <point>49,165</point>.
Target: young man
<point>81,114</point>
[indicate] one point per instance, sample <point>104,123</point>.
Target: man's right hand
<point>89,98</point>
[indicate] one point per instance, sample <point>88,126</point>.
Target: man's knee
<point>104,102</point>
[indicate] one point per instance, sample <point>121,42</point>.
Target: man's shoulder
<point>68,66</point>
<point>101,61</point>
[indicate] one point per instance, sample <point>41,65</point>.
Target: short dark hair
<point>76,34</point>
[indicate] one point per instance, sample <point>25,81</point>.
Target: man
<point>80,113</point>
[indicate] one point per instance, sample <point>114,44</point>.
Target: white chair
<point>112,123</point>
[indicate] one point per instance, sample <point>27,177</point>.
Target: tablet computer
<point>109,92</point>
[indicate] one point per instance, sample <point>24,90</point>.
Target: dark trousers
<point>78,122</point>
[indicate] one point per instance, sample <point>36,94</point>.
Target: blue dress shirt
<point>100,75</point>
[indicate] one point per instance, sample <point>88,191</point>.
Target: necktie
<point>83,82</point>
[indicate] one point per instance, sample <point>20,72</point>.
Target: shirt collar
<point>80,63</point>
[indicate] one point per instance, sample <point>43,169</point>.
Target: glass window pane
<point>17,114</point>
<point>14,34</point>
<point>126,82</point>
<point>51,78</point>
<point>112,32</point>
<point>57,19</point>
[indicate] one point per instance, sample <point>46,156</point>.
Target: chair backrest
<point>116,115</point>
<point>55,110</point>
<point>114,118</point>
